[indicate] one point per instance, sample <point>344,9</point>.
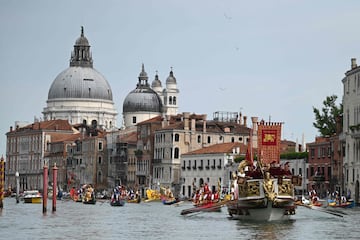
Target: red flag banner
<point>269,135</point>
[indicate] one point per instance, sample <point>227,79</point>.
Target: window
<point>100,159</point>
<point>312,153</point>
<point>134,120</point>
<point>176,155</point>
<point>208,139</point>
<point>99,178</point>
<point>100,146</point>
<point>174,100</point>
<point>177,137</point>
<point>199,139</point>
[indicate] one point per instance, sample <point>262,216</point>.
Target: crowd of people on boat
<point>167,193</point>
<point>332,198</point>
<point>119,193</point>
<point>204,195</point>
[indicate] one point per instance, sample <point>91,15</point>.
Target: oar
<point>178,203</point>
<point>320,209</point>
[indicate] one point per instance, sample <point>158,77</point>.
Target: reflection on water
<point>267,230</point>
<point>157,221</point>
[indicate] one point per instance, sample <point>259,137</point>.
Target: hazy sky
<point>270,59</point>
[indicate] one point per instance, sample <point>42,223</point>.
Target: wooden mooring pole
<point>45,188</point>
<point>55,170</point>
<point>2,181</point>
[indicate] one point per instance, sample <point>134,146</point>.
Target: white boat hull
<point>32,196</point>
<point>266,213</point>
<point>254,203</point>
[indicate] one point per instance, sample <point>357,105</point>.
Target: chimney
<point>186,121</point>
<point>193,125</point>
<point>254,121</point>
<point>353,63</point>
<point>204,116</point>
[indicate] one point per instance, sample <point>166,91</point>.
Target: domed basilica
<point>146,102</point>
<point>80,94</point>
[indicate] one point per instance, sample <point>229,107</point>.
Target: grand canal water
<point>154,220</point>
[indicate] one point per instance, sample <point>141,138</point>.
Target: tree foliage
<point>325,120</point>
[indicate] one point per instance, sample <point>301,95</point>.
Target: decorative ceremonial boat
<point>168,201</point>
<point>205,200</point>
<point>32,196</point>
<point>117,203</point>
<point>347,204</point>
<point>118,197</point>
<point>205,207</point>
<point>89,195</point>
<point>265,192</point>
<point>134,200</point>
<point>133,197</point>
<point>167,197</point>
<point>152,195</point>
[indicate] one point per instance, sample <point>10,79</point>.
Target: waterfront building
<point>211,165</point>
<point>185,133</point>
<point>319,165</point>
<point>121,145</point>
<point>26,148</point>
<point>350,136</point>
<point>81,94</point>
<point>86,158</point>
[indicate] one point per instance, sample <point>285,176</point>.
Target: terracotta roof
<point>151,120</point>
<point>62,137</point>
<point>129,137</point>
<point>57,124</point>
<point>220,148</point>
<point>211,127</point>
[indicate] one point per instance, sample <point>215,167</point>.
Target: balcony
<point>219,166</point>
<point>183,168</point>
<point>200,167</point>
<point>207,167</point>
<point>156,161</point>
<point>194,167</point>
<point>213,167</point>
<point>141,173</point>
<point>319,178</point>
